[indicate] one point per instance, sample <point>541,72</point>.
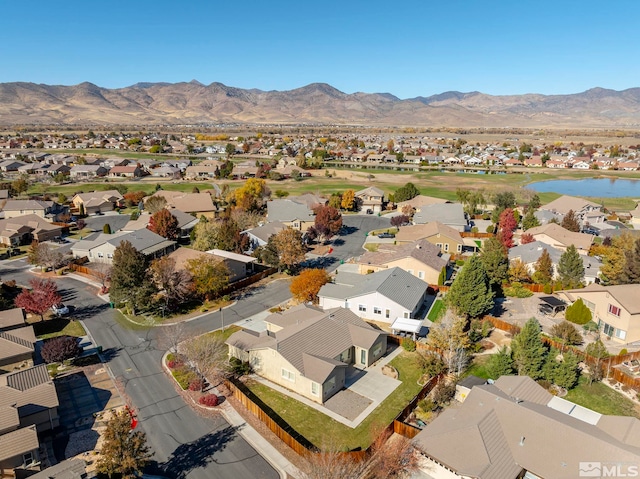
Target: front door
<point>363,356</point>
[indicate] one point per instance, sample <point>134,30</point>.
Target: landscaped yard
<point>601,398</point>
<point>478,367</point>
<point>317,427</point>
<point>436,309</point>
<point>58,327</point>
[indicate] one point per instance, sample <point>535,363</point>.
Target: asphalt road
<point>185,444</point>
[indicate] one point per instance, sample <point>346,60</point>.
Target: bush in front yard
<point>239,368</point>
<point>174,363</point>
<point>196,384</point>
<point>210,400</point>
<point>58,349</point>
<point>183,375</point>
<point>408,344</point>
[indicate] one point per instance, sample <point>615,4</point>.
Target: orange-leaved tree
<point>306,285</point>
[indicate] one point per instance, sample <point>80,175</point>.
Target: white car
<point>60,309</point>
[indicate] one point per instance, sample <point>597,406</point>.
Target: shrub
<point>426,405</point>
<point>518,291</point>
<point>408,344</point>
<point>239,368</point>
<point>196,384</point>
<point>578,313</point>
<point>174,363</point>
<point>490,229</point>
<point>443,393</point>
<point>547,289</point>
<point>184,376</point>
<point>209,400</point>
<point>58,349</point>
<point>623,351</point>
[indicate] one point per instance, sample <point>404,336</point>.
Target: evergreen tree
<point>442,277</point>
<point>529,220</point>
<point>566,371</point>
<point>500,364</point>
<point>578,313</point>
<point>495,261</point>
<point>534,203</point>
<point>631,271</point>
<point>471,294</point>
<point>543,269</point>
<point>571,268</point>
<point>130,284</point>
<point>124,453</point>
<point>106,229</point>
<point>570,222</point>
<point>528,351</point>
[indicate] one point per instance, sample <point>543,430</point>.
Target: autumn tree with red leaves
<point>527,238</point>
<point>42,295</point>
<point>164,224</point>
<point>506,226</point>
<point>328,221</point>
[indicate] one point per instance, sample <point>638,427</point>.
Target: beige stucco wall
<point>444,240</point>
<point>626,321</point>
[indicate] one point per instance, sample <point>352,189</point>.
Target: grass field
<point>436,309</point>
<point>317,427</point>
<point>601,398</point>
<point>58,327</point>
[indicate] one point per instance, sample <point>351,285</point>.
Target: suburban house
<point>445,237</point>
<point>67,469</point>
<point>421,259</point>
<point>381,296</point>
<point>420,201</point>
<point>260,235</point>
<point>615,309</point>
<point>166,171</point>
<point>48,210</point>
<point>370,199</point>
<point>97,201</point>
<point>28,406</point>
<point>530,253</point>
<point>128,171</point>
<point>293,212</point>
<point>205,170</point>
<point>80,172</point>
<point>17,341</point>
<point>308,350</point>
<point>239,265</point>
<point>586,211</point>
<point>515,429</point>
<point>561,238</point>
<point>196,204</point>
<point>102,246</point>
<point>24,229</point>
<point>450,214</point>
<point>186,223</point>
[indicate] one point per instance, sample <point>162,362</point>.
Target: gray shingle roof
<point>422,250</point>
<point>395,284</point>
<point>451,214</point>
<point>287,210</point>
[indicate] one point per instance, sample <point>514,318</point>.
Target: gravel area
<point>347,404</point>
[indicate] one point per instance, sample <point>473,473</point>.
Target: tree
<point>442,277</point>
<point>470,199</point>
<point>500,364</point>
<point>59,349</point>
<point>534,202</point>
<point>130,283</point>
<point>567,333</point>
<point>154,203</point>
<point>335,200</point>
<point>406,192</point>
<point>570,222</point>
<point>124,453</point>
<point>223,234</point>
<point>328,221</point>
<point>571,268</point>
<point>290,247</point>
<point>210,276</point>
<point>42,295</point>
<point>230,149</point>
<point>566,372</point>
<point>43,255</point>
<point>19,186</point>
<point>543,269</point>
<point>306,285</point>
<point>251,195</point>
<point>526,238</point>
<point>630,274</point>
<point>595,352</point>
<point>449,337</point>
<point>495,261</point>
<point>174,284</point>
<point>106,229</point>
<point>529,220</point>
<point>471,293</point>
<point>504,200</point>
<point>506,227</point>
<point>578,313</point>
<point>163,223</point>
<point>208,354</point>
<point>400,220</point>
<point>528,351</point>
<point>268,254</point>
<point>348,200</point>
<point>518,271</point>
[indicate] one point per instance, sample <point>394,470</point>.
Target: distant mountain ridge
<point>318,103</point>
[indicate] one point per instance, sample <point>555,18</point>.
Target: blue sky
<point>407,48</point>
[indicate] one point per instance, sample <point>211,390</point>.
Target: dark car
<point>369,211</point>
<point>591,231</point>
<point>386,235</point>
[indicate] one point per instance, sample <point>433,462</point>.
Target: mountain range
<point>318,103</point>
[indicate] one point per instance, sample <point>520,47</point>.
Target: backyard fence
<point>248,281</point>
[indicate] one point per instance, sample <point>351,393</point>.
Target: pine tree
<point>566,372</point>
<point>571,268</point>
<point>500,364</point>
<point>529,220</point>
<point>495,261</point>
<point>543,269</point>
<point>106,229</point>
<point>471,294</point>
<point>442,277</point>
<point>578,313</point>
<point>570,222</point>
<point>129,281</point>
<point>124,453</point>
<point>631,271</point>
<point>528,351</point>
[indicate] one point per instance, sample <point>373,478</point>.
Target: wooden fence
<point>248,281</point>
<point>468,234</point>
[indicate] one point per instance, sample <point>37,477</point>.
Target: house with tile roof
<point>48,210</point>
<point>615,309</point>
<point>445,237</point>
<point>585,210</point>
<point>24,229</point>
<point>198,204</point>
<point>561,238</point>
<point>514,429</point>
<point>370,199</point>
<point>450,214</point>
<point>381,296</point>
<point>97,201</point>
<point>421,258</point>
<point>308,350</point>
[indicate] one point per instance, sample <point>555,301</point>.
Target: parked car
<point>369,211</point>
<point>386,235</point>
<point>591,231</point>
<point>60,309</point>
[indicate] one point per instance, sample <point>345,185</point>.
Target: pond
<point>595,187</point>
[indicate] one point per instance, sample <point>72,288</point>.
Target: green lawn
<point>228,331</point>
<point>58,327</point>
<point>436,309</point>
<point>602,399</point>
<point>478,367</point>
<point>317,427</point>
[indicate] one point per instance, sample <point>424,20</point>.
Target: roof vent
<point>521,441</point>
<point>518,400</point>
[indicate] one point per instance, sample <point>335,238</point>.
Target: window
<point>386,313</point>
<point>446,246</point>
<point>296,225</point>
<point>459,248</point>
<point>620,334</point>
<point>288,375</point>
<point>28,458</point>
<point>376,350</point>
<point>439,245</point>
<point>109,255</point>
<point>100,255</point>
<point>410,271</point>
<point>608,329</point>
<point>314,389</point>
<point>377,310</point>
<point>614,310</point>
<point>330,384</point>
<point>363,356</point>
<point>362,307</point>
<point>406,315</point>
<point>589,305</point>
<point>421,274</point>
